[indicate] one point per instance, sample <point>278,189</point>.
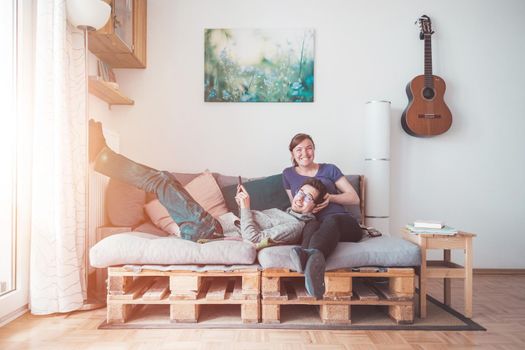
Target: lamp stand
<point>91,302</point>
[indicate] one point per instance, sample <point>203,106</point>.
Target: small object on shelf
<point>445,230</point>
<point>428,224</point>
<point>105,72</point>
<point>108,91</point>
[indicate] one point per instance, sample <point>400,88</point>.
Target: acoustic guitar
<point>427,113</point>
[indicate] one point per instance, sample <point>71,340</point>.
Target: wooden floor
<point>499,306</point>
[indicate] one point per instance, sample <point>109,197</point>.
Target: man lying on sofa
<point>271,225</point>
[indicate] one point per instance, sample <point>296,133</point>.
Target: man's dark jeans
<point>194,222</point>
<point>332,230</point>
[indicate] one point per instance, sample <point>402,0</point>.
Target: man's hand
<point>322,205</point>
<point>242,197</point>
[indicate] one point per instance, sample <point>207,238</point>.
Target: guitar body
<point>427,113</point>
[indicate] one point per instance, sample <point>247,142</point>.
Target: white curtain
<point>58,218</point>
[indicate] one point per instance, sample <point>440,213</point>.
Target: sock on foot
<point>314,274</point>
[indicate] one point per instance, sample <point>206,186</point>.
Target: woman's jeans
<point>194,222</point>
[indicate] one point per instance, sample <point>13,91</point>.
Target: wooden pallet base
<point>184,291</point>
<point>393,288</point>
<point>259,294</point>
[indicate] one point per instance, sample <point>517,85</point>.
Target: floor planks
<point>499,306</point>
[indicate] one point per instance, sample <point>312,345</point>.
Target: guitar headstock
<point>425,25</point>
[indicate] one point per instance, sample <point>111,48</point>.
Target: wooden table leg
<point>468,277</point>
<point>423,281</point>
<point>446,281</point>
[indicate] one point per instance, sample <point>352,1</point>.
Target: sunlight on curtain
<point>59,169</point>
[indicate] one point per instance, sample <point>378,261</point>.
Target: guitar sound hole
<point>428,93</point>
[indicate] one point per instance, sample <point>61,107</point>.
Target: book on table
<point>428,224</point>
<point>445,230</point>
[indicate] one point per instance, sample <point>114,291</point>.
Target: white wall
<point>469,177</point>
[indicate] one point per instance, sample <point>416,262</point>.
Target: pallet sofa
<point>143,265</point>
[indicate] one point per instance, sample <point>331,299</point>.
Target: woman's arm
<point>348,195</point>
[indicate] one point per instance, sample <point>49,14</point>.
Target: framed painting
<point>259,65</point>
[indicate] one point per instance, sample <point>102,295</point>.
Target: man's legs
<point>325,238</point>
<point>193,220</point>
<point>318,243</point>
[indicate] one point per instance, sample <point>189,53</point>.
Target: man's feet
<point>299,256</point>
<point>96,139</point>
<point>314,273</point>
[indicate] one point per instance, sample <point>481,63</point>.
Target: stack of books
<point>431,227</point>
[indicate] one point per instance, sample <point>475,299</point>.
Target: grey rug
<point>440,318</point>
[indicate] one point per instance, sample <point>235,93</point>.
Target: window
<point>8,24</point>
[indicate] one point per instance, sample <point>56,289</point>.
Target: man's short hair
<point>319,186</point>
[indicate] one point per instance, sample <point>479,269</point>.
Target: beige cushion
<point>206,192</point>
<point>143,248</point>
<point>161,218</point>
<point>149,227</point>
<point>124,204</point>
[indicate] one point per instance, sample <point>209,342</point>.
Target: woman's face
<point>304,153</point>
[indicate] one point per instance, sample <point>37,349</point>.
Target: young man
<point>195,223</point>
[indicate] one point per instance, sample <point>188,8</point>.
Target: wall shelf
<point>121,43</point>
<point>108,92</point>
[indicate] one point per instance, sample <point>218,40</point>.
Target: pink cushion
<point>124,204</point>
<point>149,227</point>
<point>161,218</point>
<point>206,192</point>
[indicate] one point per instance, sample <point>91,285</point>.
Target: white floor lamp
<point>87,15</point>
<point>377,165</point>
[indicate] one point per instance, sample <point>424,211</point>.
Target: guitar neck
<point>428,62</point>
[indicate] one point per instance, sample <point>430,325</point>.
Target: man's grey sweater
<point>279,226</point>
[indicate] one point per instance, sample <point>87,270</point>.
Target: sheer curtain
<point>58,196</point>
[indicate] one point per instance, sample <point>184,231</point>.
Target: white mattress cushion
<point>145,248</point>
<point>381,251</point>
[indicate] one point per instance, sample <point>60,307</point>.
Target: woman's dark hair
<point>297,139</point>
<point>319,186</point>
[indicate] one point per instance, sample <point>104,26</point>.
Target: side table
<point>445,268</point>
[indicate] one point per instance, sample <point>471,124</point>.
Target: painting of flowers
<point>259,65</point>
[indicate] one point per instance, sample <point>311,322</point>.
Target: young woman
<point>335,224</point>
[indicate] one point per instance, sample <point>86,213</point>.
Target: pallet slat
<point>364,292</point>
<point>237,290</point>
<point>300,290</point>
<point>217,290</point>
<point>158,290</point>
<point>136,290</point>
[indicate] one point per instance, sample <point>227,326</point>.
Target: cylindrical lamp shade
<point>377,130</point>
<point>88,14</point>
<point>377,165</point>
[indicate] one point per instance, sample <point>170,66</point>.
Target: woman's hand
<point>322,205</point>
<point>242,197</point>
